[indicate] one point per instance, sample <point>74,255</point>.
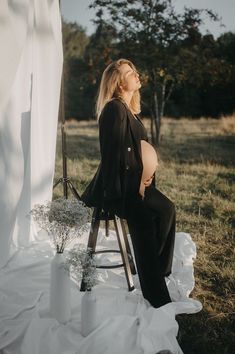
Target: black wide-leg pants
<point>151,222</point>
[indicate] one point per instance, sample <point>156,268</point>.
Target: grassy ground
<point>196,171</point>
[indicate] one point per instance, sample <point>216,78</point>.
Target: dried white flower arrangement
<point>82,265</point>
<point>63,219</point>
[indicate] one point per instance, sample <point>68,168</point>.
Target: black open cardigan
<point>119,173</point>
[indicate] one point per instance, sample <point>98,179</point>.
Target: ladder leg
<point>122,246</point>
<point>128,248</point>
<point>95,223</point>
<point>107,228</point>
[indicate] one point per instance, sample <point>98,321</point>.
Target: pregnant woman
<point>124,181</point>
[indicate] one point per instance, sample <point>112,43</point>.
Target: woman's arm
<point>112,128</point>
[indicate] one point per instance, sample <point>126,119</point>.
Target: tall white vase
<point>60,290</point>
<point>88,313</point>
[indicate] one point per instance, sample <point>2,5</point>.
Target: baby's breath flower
<point>81,264</point>
<point>63,219</point>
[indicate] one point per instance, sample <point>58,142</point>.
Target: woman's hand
<point>144,184</point>
<point>147,182</point>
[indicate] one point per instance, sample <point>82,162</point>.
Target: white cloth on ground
<point>127,323</point>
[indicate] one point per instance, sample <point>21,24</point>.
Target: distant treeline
<point>205,84</point>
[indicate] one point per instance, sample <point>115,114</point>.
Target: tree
<point>85,58</point>
<point>75,40</point>
<point>100,51</point>
<point>220,87</point>
<point>150,32</point>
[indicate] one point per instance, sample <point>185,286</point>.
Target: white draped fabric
<point>126,323</point>
<point>31,65</point>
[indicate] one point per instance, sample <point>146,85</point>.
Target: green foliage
<point>83,74</point>
<point>182,71</point>
<point>75,40</point>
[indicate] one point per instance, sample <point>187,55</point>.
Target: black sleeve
<point>112,127</point>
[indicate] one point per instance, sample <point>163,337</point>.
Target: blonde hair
<point>110,87</point>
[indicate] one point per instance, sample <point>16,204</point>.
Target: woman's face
<point>130,78</point>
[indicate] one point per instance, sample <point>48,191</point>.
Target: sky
<point>78,11</point>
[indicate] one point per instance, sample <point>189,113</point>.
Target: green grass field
<point>196,172</point>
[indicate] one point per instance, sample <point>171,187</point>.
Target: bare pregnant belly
<point>149,160</point>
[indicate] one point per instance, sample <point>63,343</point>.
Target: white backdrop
<point>31,66</point>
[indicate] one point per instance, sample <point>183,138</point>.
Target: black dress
<point>139,129</point>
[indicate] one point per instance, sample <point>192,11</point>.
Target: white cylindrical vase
<point>60,291</point>
<point>88,313</point>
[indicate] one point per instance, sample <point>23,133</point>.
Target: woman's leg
<point>165,220</point>
<point>144,221</point>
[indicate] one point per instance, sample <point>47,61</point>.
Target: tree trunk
<point>158,110</point>
<point>165,96</point>
<point>152,128</point>
<point>157,118</point>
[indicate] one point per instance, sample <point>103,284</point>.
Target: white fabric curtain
<point>31,66</point>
